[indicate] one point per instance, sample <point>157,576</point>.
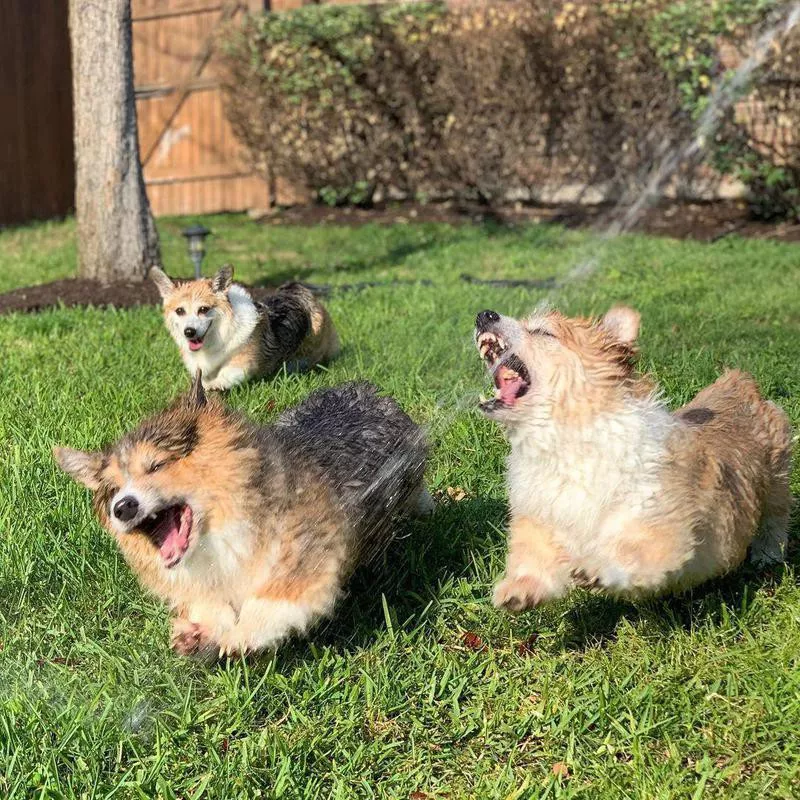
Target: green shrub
<point>328,96</point>
<point>688,37</point>
<point>352,102</point>
<point>413,99</point>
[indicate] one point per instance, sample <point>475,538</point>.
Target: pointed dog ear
<point>622,322</point>
<point>222,280</point>
<point>195,398</point>
<point>163,282</point>
<point>81,465</point>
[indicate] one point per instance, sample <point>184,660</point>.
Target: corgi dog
<point>607,487</point>
<point>248,533</point>
<point>221,331</point>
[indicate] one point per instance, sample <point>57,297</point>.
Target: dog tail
<point>324,343</point>
<point>302,291</point>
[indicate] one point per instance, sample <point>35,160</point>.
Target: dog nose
<point>485,317</point>
<point>190,333</point>
<point>126,509</point>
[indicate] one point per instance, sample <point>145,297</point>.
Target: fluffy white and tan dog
<point>221,331</point>
<point>248,532</point>
<point>610,489</point>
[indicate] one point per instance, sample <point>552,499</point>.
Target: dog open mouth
<point>170,530</point>
<point>511,377</point>
<point>196,343</point>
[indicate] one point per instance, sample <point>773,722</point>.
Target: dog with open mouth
<point>221,331</point>
<point>248,533</point>
<point>610,490</point>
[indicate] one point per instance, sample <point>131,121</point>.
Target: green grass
<point>691,697</point>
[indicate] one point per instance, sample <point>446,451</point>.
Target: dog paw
<point>424,505</point>
<point>232,647</point>
<point>189,638</point>
<point>518,594</point>
<point>767,554</point>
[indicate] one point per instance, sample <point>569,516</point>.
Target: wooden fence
<point>192,161</point>
<point>37,165</point>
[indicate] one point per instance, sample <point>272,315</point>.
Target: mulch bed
<point>706,222</point>
<point>82,292</point>
<point>78,292</point>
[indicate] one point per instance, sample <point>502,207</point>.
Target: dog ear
<point>622,322</point>
<point>195,398</point>
<point>163,282</point>
<point>81,465</point>
<point>222,280</point>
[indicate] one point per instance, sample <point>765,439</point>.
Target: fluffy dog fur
<point>249,532</point>
<point>608,488</point>
<point>222,332</point>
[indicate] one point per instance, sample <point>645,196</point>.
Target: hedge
<point>358,102</point>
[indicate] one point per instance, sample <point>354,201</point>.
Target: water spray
<point>725,93</point>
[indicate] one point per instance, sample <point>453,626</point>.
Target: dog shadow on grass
<point>431,553</point>
<point>265,385</point>
<point>594,620</point>
<point>426,555</point>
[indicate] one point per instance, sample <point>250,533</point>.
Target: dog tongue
<point>175,532</point>
<point>195,344</point>
<point>510,385</point>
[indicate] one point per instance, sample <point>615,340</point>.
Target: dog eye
<point>542,332</point>
<point>155,467</point>
<point>180,311</point>
<point>203,310</point>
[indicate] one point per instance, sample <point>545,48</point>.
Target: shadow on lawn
<point>427,554</point>
<point>393,257</point>
<point>434,552</point>
<point>396,254</point>
<point>594,621</point>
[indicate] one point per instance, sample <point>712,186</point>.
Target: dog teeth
<point>488,338</point>
<point>491,346</point>
<point>152,516</point>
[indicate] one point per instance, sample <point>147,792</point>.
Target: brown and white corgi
<point>609,489</point>
<point>247,532</point>
<point>221,331</point>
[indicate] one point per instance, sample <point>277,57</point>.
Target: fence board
<point>37,162</point>
<point>192,162</point>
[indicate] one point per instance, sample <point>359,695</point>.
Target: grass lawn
<point>697,696</point>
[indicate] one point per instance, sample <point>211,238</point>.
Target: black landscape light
<point>196,239</point>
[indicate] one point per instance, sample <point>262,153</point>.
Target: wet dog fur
<point>248,533</point>
<point>221,331</point>
<point>607,488</point>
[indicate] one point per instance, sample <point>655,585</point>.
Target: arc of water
<point>724,94</point>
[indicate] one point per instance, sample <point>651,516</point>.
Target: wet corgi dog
<point>609,489</point>
<point>248,533</point>
<point>222,332</point>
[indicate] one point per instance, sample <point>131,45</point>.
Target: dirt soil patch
<point>82,292</point>
<point>707,222</point>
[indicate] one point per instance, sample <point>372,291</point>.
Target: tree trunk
<point>117,238</point>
